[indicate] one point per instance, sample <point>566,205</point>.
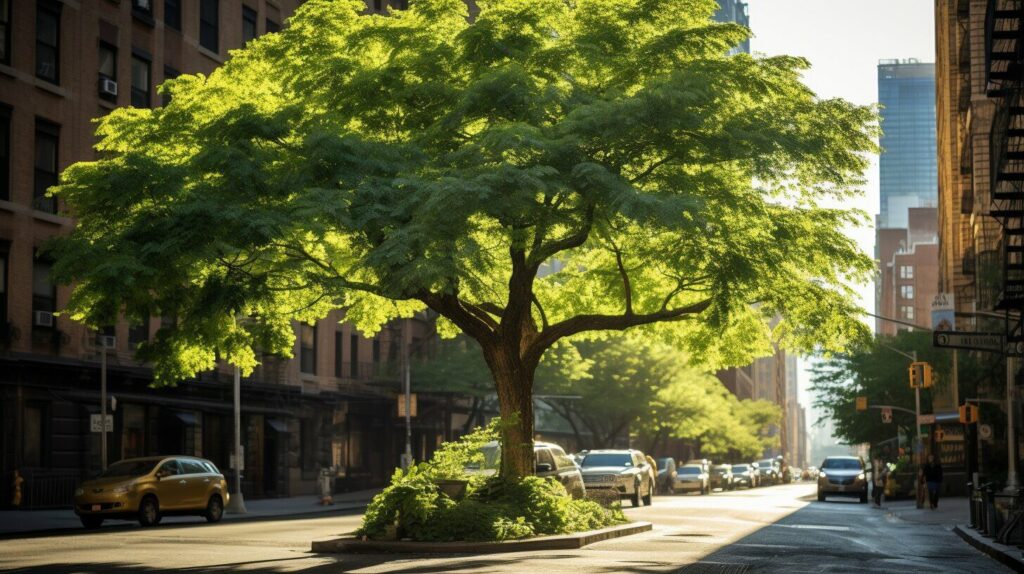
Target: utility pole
<point>407,389</point>
<point>1011,431</point>
<point>103,401</point>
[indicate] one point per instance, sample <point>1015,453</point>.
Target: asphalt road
<point>775,529</point>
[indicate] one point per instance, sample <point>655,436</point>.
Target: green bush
<point>492,510</point>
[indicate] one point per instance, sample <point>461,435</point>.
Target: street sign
<point>926,419</point>
<point>886,415</point>
<point>96,423</point>
<point>992,342</point>
<point>944,312</point>
<point>412,403</point>
<point>231,462</point>
<point>862,403</point>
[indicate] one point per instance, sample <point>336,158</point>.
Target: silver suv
<point>626,473</point>
<point>843,475</point>
<point>549,460</point>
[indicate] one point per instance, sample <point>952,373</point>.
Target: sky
<point>843,40</point>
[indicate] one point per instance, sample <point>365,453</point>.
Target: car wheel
<point>649,498</point>
<point>635,498</point>
<point>821,496</point>
<point>149,511</point>
<point>91,522</point>
<point>214,509</point>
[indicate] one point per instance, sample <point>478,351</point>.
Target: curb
<point>1000,553</point>
<point>564,542</point>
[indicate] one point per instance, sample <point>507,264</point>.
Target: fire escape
<point>1004,70</point>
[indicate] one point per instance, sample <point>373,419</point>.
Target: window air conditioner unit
<point>107,341</point>
<point>42,319</point>
<point>108,87</point>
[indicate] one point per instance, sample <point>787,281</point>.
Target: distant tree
<point>386,164</point>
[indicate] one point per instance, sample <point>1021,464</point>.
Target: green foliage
<point>385,164</point>
<point>493,509</point>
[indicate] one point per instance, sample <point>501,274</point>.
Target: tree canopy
<point>550,169</point>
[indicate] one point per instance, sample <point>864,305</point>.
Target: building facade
<point>63,63</point>
<point>737,12</point>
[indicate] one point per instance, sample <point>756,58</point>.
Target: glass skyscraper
<point>734,11</point>
<point>909,160</point>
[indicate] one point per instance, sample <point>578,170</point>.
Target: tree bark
<point>514,384</point>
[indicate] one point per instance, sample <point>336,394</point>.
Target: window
<point>308,440</point>
<point>248,24</point>
<point>209,22</point>
<point>44,292</point>
<point>907,311</point>
<point>191,466</point>
<point>907,291</point>
<point>906,271</point>
<point>172,14</point>
<point>143,6</point>
<point>47,139</point>
<point>273,26</point>
<point>169,74</point>
<point>48,41</point>
<point>108,61</point>
<point>378,5</point>
<point>5,152</point>
<point>353,356</point>
<point>3,284</point>
<point>170,468</point>
<point>32,437</point>
<point>338,372</point>
<point>5,31</point>
<point>307,348</point>
<point>400,4</point>
<point>140,82</point>
<point>376,351</point>
<point>138,333</point>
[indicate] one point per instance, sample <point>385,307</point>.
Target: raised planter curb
<point>561,542</point>
<point>1008,556</point>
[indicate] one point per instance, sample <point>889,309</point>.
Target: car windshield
<point>689,470</point>
<point>607,459</point>
<point>739,468</point>
<point>721,469</point>
<point>662,463</point>
<point>491,459</point>
<point>129,468</point>
<point>841,464</point>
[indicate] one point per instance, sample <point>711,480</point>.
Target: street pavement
<point>774,529</point>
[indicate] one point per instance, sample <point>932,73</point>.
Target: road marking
<point>814,527</point>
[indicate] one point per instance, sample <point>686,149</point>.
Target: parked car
<point>796,473</point>
<point>666,475</point>
<point>721,476</point>
<point>704,463</point>
<point>550,460</point>
<point>844,476</point>
<point>744,475</point>
<point>768,471</point>
<point>625,472</point>
<point>691,477</point>
<point>147,489</point>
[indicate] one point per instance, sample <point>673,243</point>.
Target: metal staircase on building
<point>1004,59</point>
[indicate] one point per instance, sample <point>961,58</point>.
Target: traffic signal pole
<point>1011,431</point>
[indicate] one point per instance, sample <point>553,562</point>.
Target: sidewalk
<point>954,514</point>
<point>13,522</point>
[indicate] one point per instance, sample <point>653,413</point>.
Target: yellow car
<point>146,489</point>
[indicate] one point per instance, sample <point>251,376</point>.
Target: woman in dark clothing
<point>931,474</point>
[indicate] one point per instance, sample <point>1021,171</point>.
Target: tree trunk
<point>514,383</point>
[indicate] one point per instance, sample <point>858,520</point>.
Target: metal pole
<point>1011,431</point>
<point>103,402</point>
<point>919,446</point>
<point>407,386</point>
<point>236,504</point>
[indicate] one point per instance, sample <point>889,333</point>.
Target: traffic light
<point>862,403</point>
<point>968,414</point>
<point>920,375</point>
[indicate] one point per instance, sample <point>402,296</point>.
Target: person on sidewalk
<point>881,473</point>
<point>931,474</point>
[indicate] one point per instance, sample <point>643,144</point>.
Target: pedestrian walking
<point>931,474</point>
<point>880,474</point>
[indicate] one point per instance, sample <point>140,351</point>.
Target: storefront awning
<point>278,425</point>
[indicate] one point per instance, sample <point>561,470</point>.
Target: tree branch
<point>626,287</point>
<point>545,252</point>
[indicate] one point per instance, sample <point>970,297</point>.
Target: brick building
<point>63,63</point>
<point>907,271</point>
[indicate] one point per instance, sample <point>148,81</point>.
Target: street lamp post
<point>103,402</point>
<point>236,504</point>
<point>919,439</point>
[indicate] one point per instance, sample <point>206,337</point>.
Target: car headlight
<point>123,489</point>
<point>860,476</point>
<point>822,475</point>
<point>79,491</point>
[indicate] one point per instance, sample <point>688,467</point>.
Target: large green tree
<point>550,169</point>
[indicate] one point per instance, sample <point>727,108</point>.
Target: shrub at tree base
<point>494,509</point>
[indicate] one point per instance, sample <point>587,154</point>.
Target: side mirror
<point>543,467</point>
